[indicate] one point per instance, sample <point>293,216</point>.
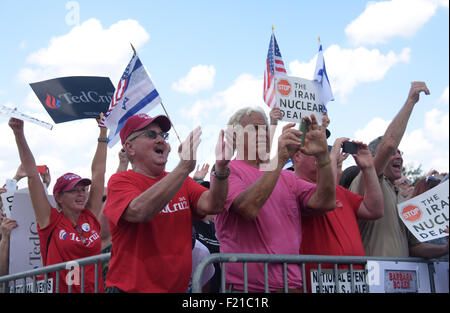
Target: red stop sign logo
<point>284,87</point>
<point>411,213</point>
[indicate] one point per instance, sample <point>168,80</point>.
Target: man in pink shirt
<point>263,208</point>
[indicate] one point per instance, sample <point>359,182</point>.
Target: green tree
<point>413,173</point>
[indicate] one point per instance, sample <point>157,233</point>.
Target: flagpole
<point>173,126</point>
<point>167,114</point>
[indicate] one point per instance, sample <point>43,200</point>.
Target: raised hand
<point>200,173</point>
<point>364,157</point>
<point>316,139</point>
<point>16,125</point>
<point>416,89</point>
<point>188,149</point>
<point>275,115</point>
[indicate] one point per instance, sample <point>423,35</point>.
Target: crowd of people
<point>159,224</point>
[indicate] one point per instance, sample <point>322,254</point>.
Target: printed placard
<point>72,98</point>
<point>21,116</point>
<point>25,252</point>
<point>298,97</point>
<point>426,215</point>
<point>398,277</point>
<point>344,281</point>
<point>30,288</point>
<point>398,281</point>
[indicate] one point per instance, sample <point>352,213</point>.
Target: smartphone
<point>349,147</point>
<point>42,169</point>
<point>302,127</point>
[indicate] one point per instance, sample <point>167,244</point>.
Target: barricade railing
<point>79,264</point>
<point>224,258</point>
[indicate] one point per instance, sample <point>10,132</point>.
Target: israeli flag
<point>321,77</point>
<point>288,164</point>
<point>134,94</point>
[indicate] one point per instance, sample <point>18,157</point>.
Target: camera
<point>349,147</point>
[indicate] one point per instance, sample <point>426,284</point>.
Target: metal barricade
<point>224,258</point>
<point>33,274</point>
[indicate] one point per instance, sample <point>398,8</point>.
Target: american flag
<point>274,65</point>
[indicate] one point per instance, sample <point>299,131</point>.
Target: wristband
<point>102,139</point>
<point>220,177</point>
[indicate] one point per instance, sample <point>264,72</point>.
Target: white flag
<point>321,77</point>
<point>134,94</point>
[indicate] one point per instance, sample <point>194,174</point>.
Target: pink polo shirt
<point>276,230</point>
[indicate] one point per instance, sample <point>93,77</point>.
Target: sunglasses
<point>152,134</point>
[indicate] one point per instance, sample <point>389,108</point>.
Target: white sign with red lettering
<point>398,277</point>
<point>426,215</point>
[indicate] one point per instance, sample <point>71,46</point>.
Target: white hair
<point>235,119</point>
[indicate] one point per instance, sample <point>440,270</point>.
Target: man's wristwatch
<point>220,177</point>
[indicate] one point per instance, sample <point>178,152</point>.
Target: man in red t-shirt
<point>150,210</point>
<point>336,232</point>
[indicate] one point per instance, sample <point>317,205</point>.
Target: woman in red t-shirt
<point>70,231</point>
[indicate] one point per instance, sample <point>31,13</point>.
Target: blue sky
<point>207,59</point>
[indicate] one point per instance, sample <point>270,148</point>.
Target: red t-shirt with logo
<point>61,242</point>
<point>334,233</point>
<point>152,256</point>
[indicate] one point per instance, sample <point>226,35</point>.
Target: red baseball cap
<point>141,120</point>
<point>68,181</point>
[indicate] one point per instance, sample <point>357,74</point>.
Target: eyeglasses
<point>152,135</point>
<point>80,233</point>
<point>398,151</point>
<point>405,182</point>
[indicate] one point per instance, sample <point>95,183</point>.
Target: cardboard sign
<point>25,252</point>
<point>8,196</point>
<point>72,98</point>
<point>344,281</point>
<point>21,116</point>
<point>298,97</point>
<point>426,215</point>
<point>30,287</point>
<point>398,277</point>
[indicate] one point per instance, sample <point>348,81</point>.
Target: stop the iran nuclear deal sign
<point>298,97</point>
<point>426,215</point>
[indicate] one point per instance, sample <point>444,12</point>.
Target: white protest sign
<point>21,116</point>
<point>298,97</point>
<point>30,287</point>
<point>344,284</point>
<point>398,277</point>
<point>25,253</point>
<point>426,215</point>
<point>8,196</point>
<point>441,277</point>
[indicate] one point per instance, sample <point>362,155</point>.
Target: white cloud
<point>246,90</point>
<point>427,146</point>
<point>88,49</point>
<point>376,127</point>
<point>348,68</point>
<point>384,20</point>
<point>444,97</point>
<point>200,77</point>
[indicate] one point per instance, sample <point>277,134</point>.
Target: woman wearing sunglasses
<point>71,230</point>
